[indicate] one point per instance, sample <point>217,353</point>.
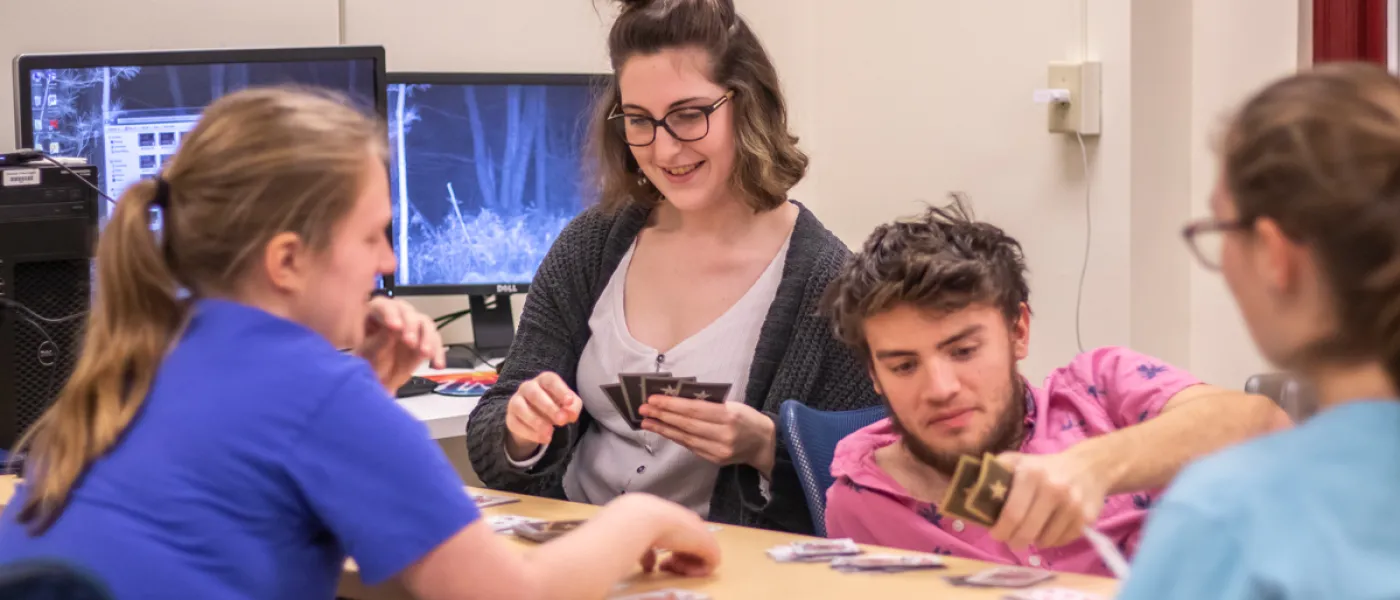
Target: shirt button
<point>641,469</point>
<point>1034,560</point>
<point>958,526</point>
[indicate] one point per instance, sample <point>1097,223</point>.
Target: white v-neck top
<point>612,458</point>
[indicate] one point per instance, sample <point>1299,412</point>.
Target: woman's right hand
<point>538,406</point>
<point>693,549</point>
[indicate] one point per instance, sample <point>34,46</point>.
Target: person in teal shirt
<point>1306,227</point>
<point>221,445</point>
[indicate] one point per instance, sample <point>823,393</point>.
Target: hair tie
<point>162,198</point>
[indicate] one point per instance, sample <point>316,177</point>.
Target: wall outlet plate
<point>1081,114</point>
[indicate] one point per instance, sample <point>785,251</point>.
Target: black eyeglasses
<point>1207,247</point>
<point>686,124</point>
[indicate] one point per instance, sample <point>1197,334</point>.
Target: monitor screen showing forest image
<point>129,120</point>
<point>484,177</point>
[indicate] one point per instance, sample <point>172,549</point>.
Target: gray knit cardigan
<point>797,358</point>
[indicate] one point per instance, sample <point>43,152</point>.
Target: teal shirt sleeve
<point>1187,555</point>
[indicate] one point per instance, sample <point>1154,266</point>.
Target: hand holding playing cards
<point>397,339</point>
<point>723,433</point>
<point>538,406</point>
<point>1051,500</point>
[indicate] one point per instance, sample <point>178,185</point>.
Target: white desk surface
<point>445,416</point>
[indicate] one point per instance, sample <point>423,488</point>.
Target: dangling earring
<point>642,180</point>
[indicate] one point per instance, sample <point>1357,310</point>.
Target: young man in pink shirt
<point>938,306</point>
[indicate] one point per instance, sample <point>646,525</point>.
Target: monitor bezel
<point>25,64</point>
<point>597,81</point>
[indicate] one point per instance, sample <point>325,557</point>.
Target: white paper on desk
<point>1108,551</point>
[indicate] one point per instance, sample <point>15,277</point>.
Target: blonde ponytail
<point>132,323</point>
<point>260,162</point>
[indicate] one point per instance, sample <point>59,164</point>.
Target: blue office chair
<point>810,436</point>
<point>50,580</point>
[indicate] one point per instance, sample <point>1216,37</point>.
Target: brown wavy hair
<point>769,162</point>
<point>942,260</point>
<point>1319,154</point>
<point>259,163</point>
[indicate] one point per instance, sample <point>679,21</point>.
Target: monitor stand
<point>493,325</point>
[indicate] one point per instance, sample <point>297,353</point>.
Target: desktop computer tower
<point>48,234</point>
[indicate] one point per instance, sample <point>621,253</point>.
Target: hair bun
<point>634,4</point>
<point>725,8</point>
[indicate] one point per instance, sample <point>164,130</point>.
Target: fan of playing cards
<point>979,490</point>
<point>633,389</point>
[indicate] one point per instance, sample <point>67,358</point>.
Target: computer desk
<point>445,416</point>
<point>746,571</point>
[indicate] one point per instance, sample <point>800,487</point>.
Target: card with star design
<point>709,392</point>
<point>991,490</point>
<point>661,386</point>
<point>960,489</point>
<point>632,391</point>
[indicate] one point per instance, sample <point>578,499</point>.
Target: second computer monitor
<point>486,171</point>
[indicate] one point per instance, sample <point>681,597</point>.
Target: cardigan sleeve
<point>548,338</point>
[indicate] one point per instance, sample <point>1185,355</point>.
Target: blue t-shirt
<point>261,457</point>
<point>1305,513</point>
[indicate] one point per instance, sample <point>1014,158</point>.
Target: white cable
<point>1088,238</point>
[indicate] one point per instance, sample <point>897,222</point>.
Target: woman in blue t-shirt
<point>1306,227</point>
<point>221,446</point>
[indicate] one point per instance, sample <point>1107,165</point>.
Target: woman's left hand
<point>397,340</point>
<point>723,433</point>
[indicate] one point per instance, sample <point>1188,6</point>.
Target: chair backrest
<point>50,580</point>
<point>811,436</point>
<point>1292,394</point>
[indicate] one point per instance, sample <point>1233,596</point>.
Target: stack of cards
<point>1051,594</point>
<point>814,551</point>
<point>508,523</point>
<point>633,389</point>
<point>887,563</point>
<point>1002,577</point>
<point>978,490</point>
<point>544,531</point>
<point>667,594</point>
<point>487,500</point>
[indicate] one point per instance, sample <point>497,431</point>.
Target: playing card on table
<point>667,594</point>
<point>814,551</point>
<point>887,563</point>
<point>1051,594</point>
<point>547,530</point>
<point>508,523</point>
<point>959,490</point>
<point>487,500</point>
<point>711,392</point>
<point>1011,577</point>
<point>989,493</point>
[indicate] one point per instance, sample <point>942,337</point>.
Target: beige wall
<point>1237,47</point>
<point>898,104</point>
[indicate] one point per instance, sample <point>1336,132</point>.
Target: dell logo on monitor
<point>48,354</point>
<point>507,288</point>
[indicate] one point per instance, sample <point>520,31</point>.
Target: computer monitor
<point>485,172</point>
<point>126,112</point>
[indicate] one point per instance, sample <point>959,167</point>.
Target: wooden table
<point>745,570</point>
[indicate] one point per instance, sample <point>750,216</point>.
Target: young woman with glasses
<point>1305,229</point>
<point>694,263</point>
